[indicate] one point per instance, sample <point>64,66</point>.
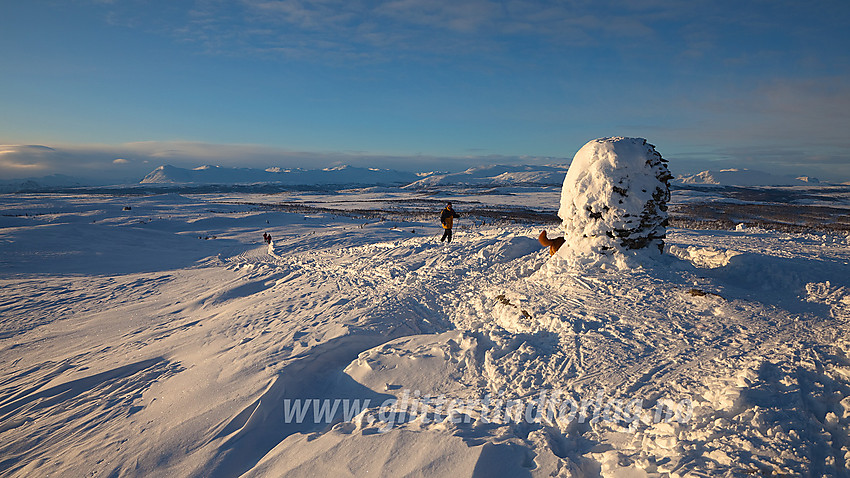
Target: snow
<point>339,175</point>
<point>614,198</point>
<point>495,175</point>
<point>41,183</point>
<point>168,176</point>
<point>169,340</point>
<point>742,177</point>
<point>483,176</point>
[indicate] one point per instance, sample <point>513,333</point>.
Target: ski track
<point>257,324</point>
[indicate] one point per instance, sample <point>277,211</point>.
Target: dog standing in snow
<point>552,244</point>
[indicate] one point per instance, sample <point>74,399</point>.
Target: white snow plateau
<point>156,334</point>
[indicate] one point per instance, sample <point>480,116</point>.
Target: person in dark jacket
<point>447,218</point>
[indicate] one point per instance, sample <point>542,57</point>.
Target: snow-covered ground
<point>169,340</point>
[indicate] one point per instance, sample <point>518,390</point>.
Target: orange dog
<point>552,244</point>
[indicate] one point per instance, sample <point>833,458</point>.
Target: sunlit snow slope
<point>168,340</point>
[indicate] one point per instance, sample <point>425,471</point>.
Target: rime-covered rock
<point>615,198</point>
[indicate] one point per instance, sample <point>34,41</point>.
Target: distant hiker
<point>552,244</point>
<point>447,218</point>
<point>267,238</point>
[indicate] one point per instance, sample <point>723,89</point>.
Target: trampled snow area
<point>169,340</point>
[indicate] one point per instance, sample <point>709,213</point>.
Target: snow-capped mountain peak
<point>740,177</point>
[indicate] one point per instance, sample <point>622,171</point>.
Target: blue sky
<point>117,87</point>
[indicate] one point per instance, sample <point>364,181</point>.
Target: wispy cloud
<point>17,167</point>
<point>392,29</point>
<point>586,41</point>
<point>506,34</point>
<point>23,159</point>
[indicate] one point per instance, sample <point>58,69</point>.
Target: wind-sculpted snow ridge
<point>614,198</point>
<point>354,346</point>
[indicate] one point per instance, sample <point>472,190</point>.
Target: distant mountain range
<point>742,177</point>
<point>342,175</point>
<point>482,176</point>
<point>54,181</point>
<point>496,175</point>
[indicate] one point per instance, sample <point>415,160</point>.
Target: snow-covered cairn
<point>615,197</point>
